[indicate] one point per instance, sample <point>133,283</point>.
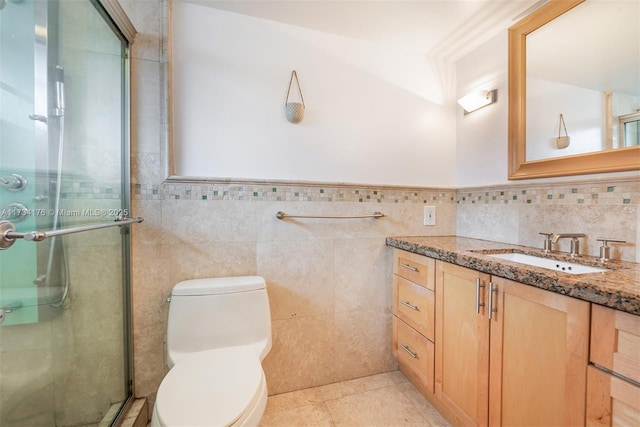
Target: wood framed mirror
<point>626,158</point>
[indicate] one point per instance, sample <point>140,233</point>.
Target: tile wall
<point>328,280</point>
<point>605,207</point>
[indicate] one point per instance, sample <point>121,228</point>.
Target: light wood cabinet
<point>414,316</point>
<point>539,353</point>
<point>615,347</point>
<point>508,353</point>
<point>611,401</point>
<point>615,341</point>
<point>462,337</point>
<point>415,352</point>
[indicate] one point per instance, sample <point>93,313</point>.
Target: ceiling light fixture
<point>478,99</point>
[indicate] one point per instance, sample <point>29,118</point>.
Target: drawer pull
<point>412,307</point>
<point>411,353</point>
<point>409,267</point>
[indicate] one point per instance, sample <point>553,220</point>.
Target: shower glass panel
<point>64,302</point>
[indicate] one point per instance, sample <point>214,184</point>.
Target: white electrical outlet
<point>429,215</point>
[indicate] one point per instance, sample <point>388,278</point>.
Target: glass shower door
<point>17,157</point>
<point>64,301</point>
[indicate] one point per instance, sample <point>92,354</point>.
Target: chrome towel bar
<point>376,215</point>
<point>8,233</point>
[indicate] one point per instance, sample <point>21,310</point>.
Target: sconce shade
<point>478,99</point>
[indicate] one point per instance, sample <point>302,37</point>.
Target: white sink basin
<point>551,264</point>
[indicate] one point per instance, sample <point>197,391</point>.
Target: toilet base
<point>251,418</point>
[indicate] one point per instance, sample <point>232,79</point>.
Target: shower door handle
<point>8,233</point>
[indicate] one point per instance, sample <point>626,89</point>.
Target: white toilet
<point>218,333</point>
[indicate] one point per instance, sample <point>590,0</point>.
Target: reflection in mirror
<point>584,66</point>
<point>557,85</point>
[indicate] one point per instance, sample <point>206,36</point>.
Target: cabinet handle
<point>412,307</point>
<point>492,309</point>
<point>410,267</point>
<point>478,303</point>
<point>411,353</point>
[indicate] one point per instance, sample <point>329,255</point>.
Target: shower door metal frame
<point>122,27</point>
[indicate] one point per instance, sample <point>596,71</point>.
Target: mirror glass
<point>583,81</point>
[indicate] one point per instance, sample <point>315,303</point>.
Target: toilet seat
<point>211,388</point>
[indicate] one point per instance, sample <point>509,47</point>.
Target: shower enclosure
<point>65,353</point>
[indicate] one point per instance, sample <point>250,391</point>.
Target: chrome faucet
<point>575,243</point>
<point>547,242</point>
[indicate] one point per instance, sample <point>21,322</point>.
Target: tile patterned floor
<point>384,400</point>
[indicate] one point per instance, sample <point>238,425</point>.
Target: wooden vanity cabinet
<point>508,353</point>
<point>414,315</point>
<point>539,353</point>
<point>462,350</point>
<point>614,399</point>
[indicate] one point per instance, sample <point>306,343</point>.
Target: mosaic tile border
<point>288,193</point>
<point>587,193</point>
<point>87,190</point>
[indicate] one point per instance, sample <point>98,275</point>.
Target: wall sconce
<point>478,99</point>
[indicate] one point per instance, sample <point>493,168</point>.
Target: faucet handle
<point>547,242</point>
<point>605,251</point>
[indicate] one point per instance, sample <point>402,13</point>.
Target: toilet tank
<point>206,314</point>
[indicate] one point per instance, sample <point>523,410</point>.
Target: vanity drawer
<point>415,305</point>
<point>615,341</point>
<point>414,351</point>
<point>417,268</point>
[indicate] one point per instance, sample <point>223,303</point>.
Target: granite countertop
<point>618,288</point>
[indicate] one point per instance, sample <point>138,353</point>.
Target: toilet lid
<point>209,388</point>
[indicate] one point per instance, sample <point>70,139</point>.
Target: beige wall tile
<point>272,229</point>
<point>198,221</point>
<point>31,372</point>
<point>149,364</point>
<point>363,269</point>
<point>146,17</point>
<point>596,221</point>
<point>300,275</point>
<point>145,108</point>
<point>363,343</point>
<point>302,354</point>
<point>78,400</point>
<point>499,223</point>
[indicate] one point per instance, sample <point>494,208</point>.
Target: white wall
<point>372,113</point>
<point>482,135</point>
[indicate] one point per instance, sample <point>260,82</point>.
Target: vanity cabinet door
<point>539,356</point>
<point>462,343</point>
<point>509,354</point>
